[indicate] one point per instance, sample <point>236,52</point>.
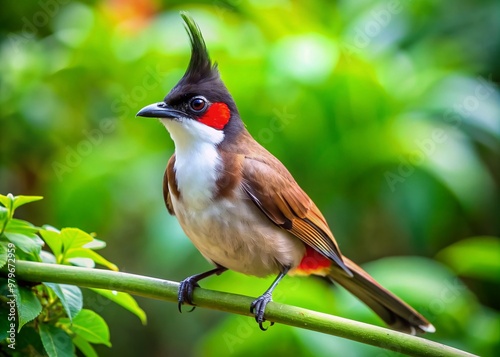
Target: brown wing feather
<point>275,192</point>
<point>169,180</point>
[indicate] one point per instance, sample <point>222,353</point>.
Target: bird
<point>241,207</point>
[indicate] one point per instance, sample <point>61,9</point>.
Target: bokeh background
<point>386,112</point>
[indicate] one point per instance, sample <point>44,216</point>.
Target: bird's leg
<point>258,307</point>
<point>186,287</point>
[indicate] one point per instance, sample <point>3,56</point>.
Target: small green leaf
<point>96,244</point>
<point>47,257</point>
<point>4,215</point>
<point>26,243</point>
<point>56,342</point>
<point>89,326</point>
<point>19,226</point>
<point>4,323</point>
<point>3,254</point>
<point>22,200</point>
<point>70,297</point>
<point>28,306</point>
<point>4,200</point>
<point>7,201</point>
<point>53,240</point>
<point>80,262</point>
<point>48,227</point>
<point>125,300</point>
<point>85,347</point>
<point>29,235</point>
<point>29,339</point>
<point>74,238</point>
<point>87,253</point>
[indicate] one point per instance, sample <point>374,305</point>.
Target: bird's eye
<point>198,104</point>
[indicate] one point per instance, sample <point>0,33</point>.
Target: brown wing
<point>271,187</point>
<point>169,180</point>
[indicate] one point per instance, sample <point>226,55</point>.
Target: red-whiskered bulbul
<point>241,207</point>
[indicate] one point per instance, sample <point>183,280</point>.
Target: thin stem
<point>237,304</point>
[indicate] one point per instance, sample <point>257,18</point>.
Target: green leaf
<point>4,323</point>
<point>4,215</point>
<point>22,200</point>
<point>80,262</point>
<point>53,240</point>
<point>89,326</point>
<point>3,254</point>
<point>26,243</point>
<point>74,238</point>
<point>125,300</point>
<point>477,257</point>
<point>28,306</point>
<point>85,347</point>
<point>7,201</point>
<point>29,339</point>
<point>20,226</point>
<point>56,342</point>
<point>87,253</point>
<point>95,244</point>
<point>47,257</point>
<point>29,235</point>
<point>70,297</point>
<point>48,227</point>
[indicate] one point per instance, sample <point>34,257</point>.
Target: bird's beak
<point>159,110</point>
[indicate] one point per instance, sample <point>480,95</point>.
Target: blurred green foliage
<point>47,318</point>
<point>386,112</point>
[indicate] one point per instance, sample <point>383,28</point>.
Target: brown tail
<point>394,311</point>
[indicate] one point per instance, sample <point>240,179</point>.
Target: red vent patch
<point>313,262</point>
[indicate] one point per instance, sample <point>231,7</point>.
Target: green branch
<point>237,304</point>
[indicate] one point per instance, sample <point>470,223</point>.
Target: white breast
<point>231,232</point>
<point>197,162</point>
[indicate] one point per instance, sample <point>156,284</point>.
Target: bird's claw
<point>258,307</point>
<point>185,294</point>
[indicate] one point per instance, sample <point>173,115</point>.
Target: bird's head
<point>199,107</point>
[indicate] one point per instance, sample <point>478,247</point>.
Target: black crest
<point>200,67</point>
<point>202,78</point>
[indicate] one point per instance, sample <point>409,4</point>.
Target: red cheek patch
<point>216,116</point>
<point>313,262</point>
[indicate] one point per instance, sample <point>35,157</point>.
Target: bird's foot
<point>258,307</point>
<point>185,294</point>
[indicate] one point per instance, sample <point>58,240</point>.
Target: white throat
<point>197,161</point>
